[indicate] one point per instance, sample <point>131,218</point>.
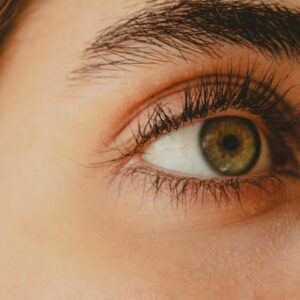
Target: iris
<point>230,144</point>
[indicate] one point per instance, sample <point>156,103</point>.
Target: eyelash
<point>207,96</point>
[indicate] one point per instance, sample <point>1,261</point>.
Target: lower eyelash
<point>185,192</point>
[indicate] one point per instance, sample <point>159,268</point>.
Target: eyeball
<point>220,146</point>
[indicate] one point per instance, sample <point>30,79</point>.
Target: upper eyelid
<point>180,28</point>
<point>124,149</point>
<point>142,135</point>
<point>138,107</point>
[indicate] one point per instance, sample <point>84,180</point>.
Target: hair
<point>9,10</point>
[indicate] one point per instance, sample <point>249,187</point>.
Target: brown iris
<point>230,144</point>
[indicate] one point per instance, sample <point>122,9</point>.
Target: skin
<point>65,233</point>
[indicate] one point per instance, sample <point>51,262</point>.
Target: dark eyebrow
<point>163,31</point>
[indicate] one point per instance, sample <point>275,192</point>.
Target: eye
<point>220,146</point>
<point>223,136</point>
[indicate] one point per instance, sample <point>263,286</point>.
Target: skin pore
<point>72,231</point>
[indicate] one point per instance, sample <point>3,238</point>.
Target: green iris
<point>230,144</point>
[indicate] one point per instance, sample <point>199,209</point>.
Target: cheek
<point>158,250</point>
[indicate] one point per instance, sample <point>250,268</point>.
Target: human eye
<point>219,146</point>
<point>223,138</point>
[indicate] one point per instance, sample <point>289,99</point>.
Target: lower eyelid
<point>216,202</point>
<point>135,167</point>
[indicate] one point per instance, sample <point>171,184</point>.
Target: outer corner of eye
<point>220,146</point>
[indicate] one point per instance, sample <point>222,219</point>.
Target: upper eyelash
<point>214,93</point>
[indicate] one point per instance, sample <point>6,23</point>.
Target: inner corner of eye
<point>220,146</point>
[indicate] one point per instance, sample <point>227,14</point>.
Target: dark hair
<point>9,9</point>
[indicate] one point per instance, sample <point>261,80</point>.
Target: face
<point>150,151</point>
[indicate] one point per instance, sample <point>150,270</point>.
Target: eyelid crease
<point>232,68</point>
<point>264,92</point>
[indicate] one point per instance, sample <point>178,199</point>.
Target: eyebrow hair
<point>180,28</point>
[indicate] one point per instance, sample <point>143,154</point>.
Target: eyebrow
<point>162,32</point>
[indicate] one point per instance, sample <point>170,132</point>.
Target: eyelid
<point>187,192</point>
<point>269,105</point>
<point>136,142</point>
<point>233,66</point>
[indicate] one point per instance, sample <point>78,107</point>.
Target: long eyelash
<point>218,93</point>
<point>184,192</point>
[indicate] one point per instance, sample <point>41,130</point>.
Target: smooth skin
<point>65,233</point>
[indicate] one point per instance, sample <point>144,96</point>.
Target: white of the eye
<point>179,151</point>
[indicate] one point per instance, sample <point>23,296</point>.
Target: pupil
<point>230,142</point>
